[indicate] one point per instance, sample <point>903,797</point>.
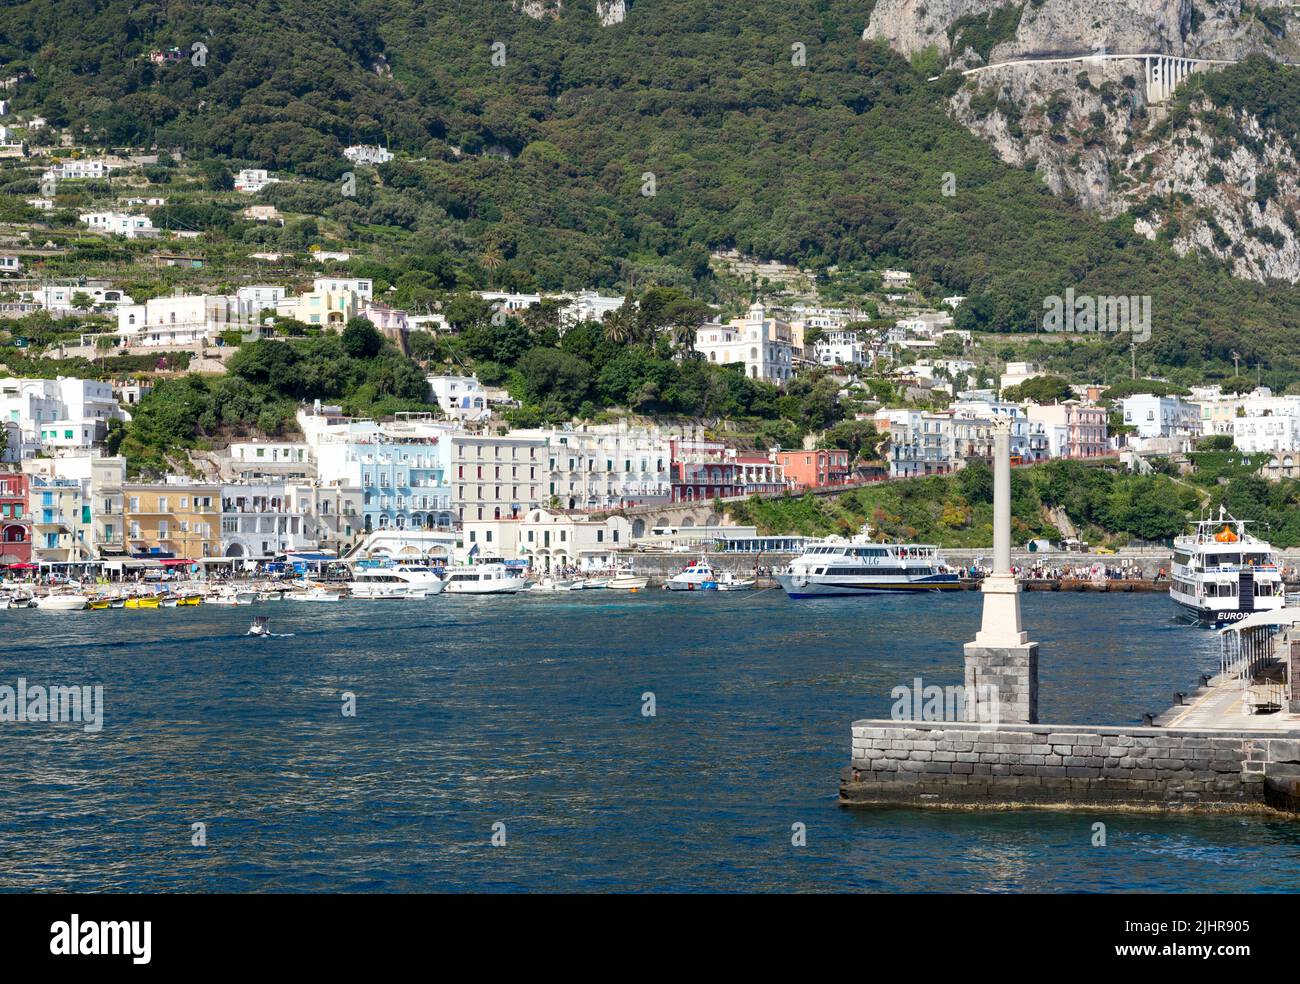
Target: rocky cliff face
<point>608,12</point>
<point>538,9</point>
<point>1208,28</point>
<point>1089,131</point>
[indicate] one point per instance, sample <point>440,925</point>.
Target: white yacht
<point>484,579</point>
<point>62,602</point>
<point>1221,573</point>
<point>387,583</point>
<point>836,566</point>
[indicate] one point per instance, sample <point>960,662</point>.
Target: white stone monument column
<point>1001,662</point>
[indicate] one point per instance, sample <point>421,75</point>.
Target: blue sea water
<point>527,712</point>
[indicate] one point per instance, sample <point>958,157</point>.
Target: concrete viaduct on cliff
<point>1162,72</point>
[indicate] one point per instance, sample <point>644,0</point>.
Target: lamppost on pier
<point>1001,662</point>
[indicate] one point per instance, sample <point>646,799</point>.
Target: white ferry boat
<point>484,579</point>
<point>836,566</point>
<point>1221,573</point>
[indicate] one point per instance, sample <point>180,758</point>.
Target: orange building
<point>812,469</point>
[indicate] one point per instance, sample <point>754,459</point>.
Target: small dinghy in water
<point>259,626</point>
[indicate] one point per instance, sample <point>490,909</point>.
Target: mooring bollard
<point>1178,697</point>
<point>1149,720</point>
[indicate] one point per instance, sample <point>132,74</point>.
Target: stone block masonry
<point>942,763</point>
<point>1011,672</point>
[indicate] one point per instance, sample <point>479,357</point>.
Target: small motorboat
<point>232,598</point>
<point>144,601</point>
<point>729,582</point>
<point>63,603</point>
<point>100,604</point>
<point>260,626</point>
<point>549,583</point>
<point>628,582</point>
<point>188,600</point>
<point>314,594</point>
<point>593,583</point>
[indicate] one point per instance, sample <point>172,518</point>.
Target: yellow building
<point>323,307</point>
<point>181,520</point>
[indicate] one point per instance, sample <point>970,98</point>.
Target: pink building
<point>1084,427</point>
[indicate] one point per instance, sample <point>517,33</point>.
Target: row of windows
<point>478,450</point>
<point>514,472</point>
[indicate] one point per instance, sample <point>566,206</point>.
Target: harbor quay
<point>1233,743</point>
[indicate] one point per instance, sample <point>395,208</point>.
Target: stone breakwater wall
<point>922,763</point>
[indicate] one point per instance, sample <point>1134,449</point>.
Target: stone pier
<point>939,763</point>
<point>1200,754</point>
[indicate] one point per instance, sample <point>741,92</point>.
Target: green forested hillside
<point>532,172</point>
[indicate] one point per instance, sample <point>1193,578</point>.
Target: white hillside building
<point>759,342</point>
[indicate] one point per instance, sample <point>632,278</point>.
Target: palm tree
<point>621,326</point>
<point>491,261</point>
<point>683,334</point>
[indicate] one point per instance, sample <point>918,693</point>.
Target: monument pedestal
<point>1001,663</point>
<point>1005,676</point>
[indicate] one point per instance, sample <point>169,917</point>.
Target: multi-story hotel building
<point>181,520</point>
<point>497,477</point>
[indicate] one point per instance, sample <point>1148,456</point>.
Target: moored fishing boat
<point>549,583</point>
<point>729,582</point>
<point>231,597</point>
<point>315,593</point>
<point>699,576</point>
<point>627,581</point>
